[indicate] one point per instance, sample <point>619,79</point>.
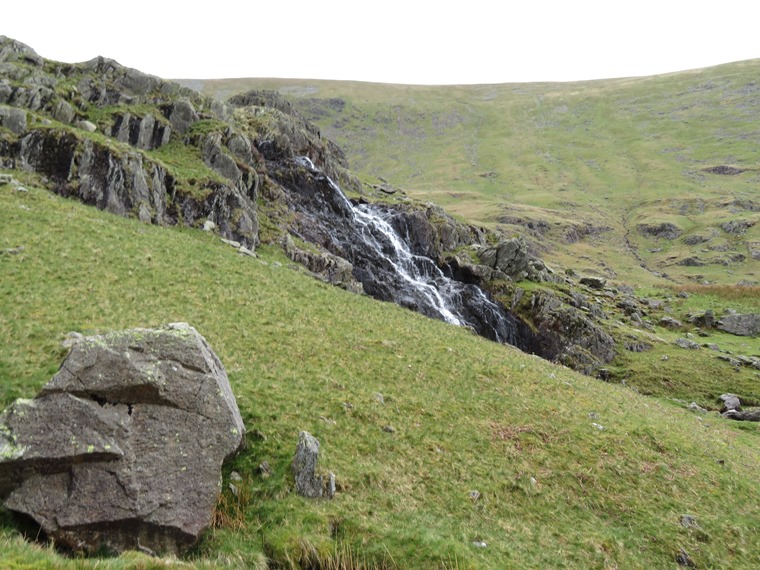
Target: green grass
<point>554,490</point>
<point>610,153</point>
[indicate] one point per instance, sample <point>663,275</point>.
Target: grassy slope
<point>612,153</point>
<point>468,415</point>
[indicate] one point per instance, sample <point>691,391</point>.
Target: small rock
<point>670,323</point>
<point>86,126</point>
<point>232,243</point>
<point>245,251</point>
<point>379,398</point>
<point>389,429</point>
<point>209,226</point>
<point>474,495</point>
<point>13,250</point>
<point>730,402</point>
<point>593,415</point>
<point>683,559</point>
<point>479,544</point>
<point>233,489</point>
<point>330,485</point>
<point>683,295</point>
<point>597,426</point>
<point>694,407</point>
<point>664,357</point>
<point>685,343</point>
<point>264,469</point>
<point>235,476</point>
<point>688,521</point>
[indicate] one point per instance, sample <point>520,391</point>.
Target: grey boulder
<point>740,325</point>
<point>123,448</point>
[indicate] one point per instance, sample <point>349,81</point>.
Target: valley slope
<point>588,170</point>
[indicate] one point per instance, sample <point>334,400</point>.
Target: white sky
<point>394,41</point>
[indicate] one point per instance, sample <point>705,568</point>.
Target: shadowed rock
<point>123,448</point>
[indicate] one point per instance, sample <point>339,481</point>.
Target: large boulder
<point>740,325</point>
<point>123,448</point>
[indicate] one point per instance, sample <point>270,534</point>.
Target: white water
<point>428,285</point>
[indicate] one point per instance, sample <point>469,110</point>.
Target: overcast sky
<point>394,41</point>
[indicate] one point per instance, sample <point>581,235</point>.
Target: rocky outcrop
<point>559,332</point>
<point>740,325</point>
<point>123,448</point>
<point>127,183</point>
<point>509,256</point>
<point>664,230</point>
<point>145,133</point>
<point>325,265</point>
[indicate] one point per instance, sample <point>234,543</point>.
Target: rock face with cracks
<point>123,448</point>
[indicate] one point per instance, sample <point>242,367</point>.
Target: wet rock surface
<point>123,448</point>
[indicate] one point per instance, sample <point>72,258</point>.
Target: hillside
<point>589,170</point>
<point>450,450</point>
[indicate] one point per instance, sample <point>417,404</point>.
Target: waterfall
<point>390,271</point>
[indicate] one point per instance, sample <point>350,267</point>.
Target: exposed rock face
<point>563,333</point>
<point>123,448</point>
<point>127,183</point>
<point>509,257</point>
<point>740,325</point>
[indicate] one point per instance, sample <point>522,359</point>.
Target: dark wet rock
<point>683,559</point>
<point>664,230</point>
<point>123,448</point>
<point>740,325</point>
<point>304,469</point>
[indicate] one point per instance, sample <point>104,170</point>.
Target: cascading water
<point>388,270</point>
